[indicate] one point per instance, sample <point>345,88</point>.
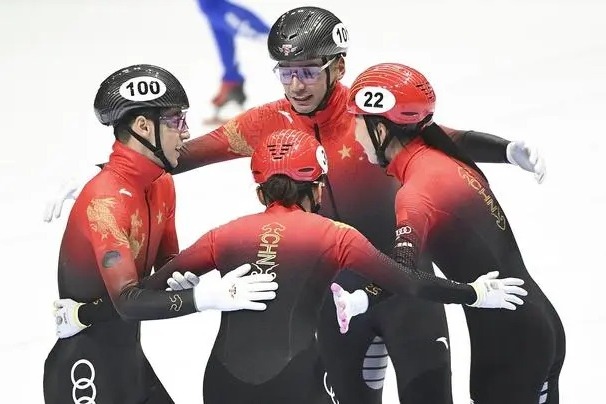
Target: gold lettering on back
<point>487,197</point>
<point>268,249</point>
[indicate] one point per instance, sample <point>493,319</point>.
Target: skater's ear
<point>261,196</point>
<point>339,68</point>
<point>382,131</point>
<point>142,126</point>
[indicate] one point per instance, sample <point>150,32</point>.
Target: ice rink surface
<point>530,70</point>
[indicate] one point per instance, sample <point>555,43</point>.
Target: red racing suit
<point>447,210</point>
<point>358,192</point>
<point>122,224</point>
<point>304,251</point>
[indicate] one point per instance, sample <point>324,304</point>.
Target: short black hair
<point>121,127</point>
<point>283,189</point>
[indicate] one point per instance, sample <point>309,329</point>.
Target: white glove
<point>348,305</point>
<point>528,158</point>
<point>182,282</point>
<point>235,291</point>
<point>66,318</point>
<point>496,293</point>
<point>70,189</point>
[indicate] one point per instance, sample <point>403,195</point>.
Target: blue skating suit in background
<point>226,21</point>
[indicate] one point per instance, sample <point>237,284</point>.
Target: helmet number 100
<point>142,88</point>
<point>340,35</point>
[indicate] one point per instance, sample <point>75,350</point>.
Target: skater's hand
<point>528,158</point>
<point>66,318</point>
<point>235,291</point>
<point>348,305</point>
<point>182,282</point>
<point>70,189</point>
<point>493,293</point>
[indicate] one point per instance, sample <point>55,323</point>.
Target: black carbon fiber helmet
<point>137,86</point>
<point>307,33</point>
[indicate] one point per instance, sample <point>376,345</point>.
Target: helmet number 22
<point>378,98</point>
<point>375,100</point>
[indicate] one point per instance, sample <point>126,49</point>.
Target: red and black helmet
<point>394,91</point>
<point>290,152</point>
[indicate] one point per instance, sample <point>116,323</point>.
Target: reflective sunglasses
<point>305,74</point>
<point>176,121</point>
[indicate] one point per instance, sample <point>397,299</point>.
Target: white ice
<point>531,70</point>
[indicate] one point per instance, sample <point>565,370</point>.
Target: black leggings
<point>516,357</point>
<point>302,381</point>
<point>89,369</point>
<point>415,335</point>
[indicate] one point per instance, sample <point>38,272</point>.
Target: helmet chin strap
<point>156,150</point>
<point>314,207</point>
<point>380,147</point>
<point>403,133</point>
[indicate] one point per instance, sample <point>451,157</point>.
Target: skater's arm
<point>198,259</point>
<point>115,250</point>
<point>221,144</point>
<point>191,259</point>
<point>210,148</point>
<point>358,254</point>
<point>481,147</point>
<point>237,138</point>
<point>98,311</point>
